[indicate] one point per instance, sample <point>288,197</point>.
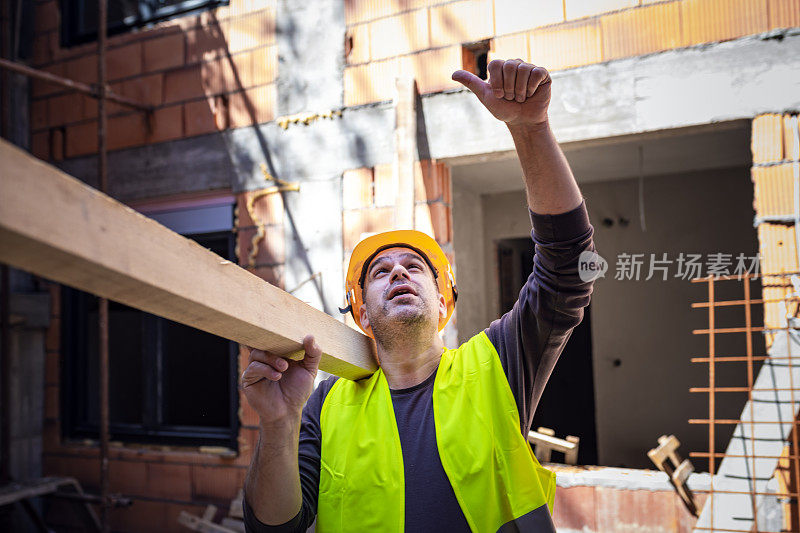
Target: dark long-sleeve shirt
<point>529,339</point>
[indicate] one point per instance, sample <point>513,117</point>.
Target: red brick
<point>45,17</point>
<point>164,52</point>
<point>252,106</point>
<point>65,109</point>
<point>635,510</point>
<point>89,107</point>
<point>428,181</point>
<point>126,131</point>
<point>128,477</point>
<point>52,340</point>
<point>44,47</point>
<point>576,9</point>
<point>251,31</point>
<point>147,90</point>
<point>204,43</point>
<point>433,69</point>
<point>273,275</point>
<point>183,84</point>
<point>574,509</point>
<point>82,69</point>
<point>39,114</point>
<point>51,403</point>
<point>509,18</point>
<point>370,220</point>
<point>462,22</point>
<point>357,188</point>
<point>218,77</point>
<point>385,185</point>
<point>57,144</point>
<point>434,219</point>
<point>766,141</point>
<point>145,515</point>
<point>40,145</point>
<point>84,469</point>
<point>43,88</point>
<point>719,20</point>
<point>169,481</point>
<point>217,483</point>
<point>124,62</point>
<point>81,139</point>
<point>198,118</point>
<point>166,124</point>
<point>371,82</point>
<point>270,249</point>
<point>399,35</point>
<point>268,209</point>
<point>363,10</point>
<point>264,65</point>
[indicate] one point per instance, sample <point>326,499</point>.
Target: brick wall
<point>423,37</point>
<point>368,203</point>
<point>202,73</point>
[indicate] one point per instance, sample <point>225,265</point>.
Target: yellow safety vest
<point>497,480</point>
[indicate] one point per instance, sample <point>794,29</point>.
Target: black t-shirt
<point>528,339</point>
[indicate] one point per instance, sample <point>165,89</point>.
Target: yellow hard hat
<point>366,250</point>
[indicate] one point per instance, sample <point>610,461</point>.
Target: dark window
<point>79,17</point>
<point>168,383</point>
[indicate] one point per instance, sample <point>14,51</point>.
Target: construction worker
<point>435,439</point>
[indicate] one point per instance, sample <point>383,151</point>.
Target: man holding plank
<point>435,439</point>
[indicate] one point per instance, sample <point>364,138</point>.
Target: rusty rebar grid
<point>788,464</point>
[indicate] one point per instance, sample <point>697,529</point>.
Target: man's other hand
<point>277,388</point>
<point>517,93</point>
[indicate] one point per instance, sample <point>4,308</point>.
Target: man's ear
<point>442,306</point>
<point>363,318</point>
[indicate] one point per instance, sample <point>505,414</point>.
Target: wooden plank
<point>55,226</point>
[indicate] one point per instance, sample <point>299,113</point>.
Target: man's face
<point>400,290</point>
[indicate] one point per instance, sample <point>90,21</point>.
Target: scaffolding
<point>102,92</point>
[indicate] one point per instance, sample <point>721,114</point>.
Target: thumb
<point>471,82</point>
<point>313,354</point>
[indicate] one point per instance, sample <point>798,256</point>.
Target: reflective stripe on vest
<point>496,478</point>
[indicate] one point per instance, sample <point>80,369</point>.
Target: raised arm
<point>518,93</point>
<point>530,338</point>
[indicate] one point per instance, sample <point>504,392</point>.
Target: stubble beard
<point>411,322</point>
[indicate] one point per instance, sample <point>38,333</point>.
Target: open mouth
<point>401,290</point>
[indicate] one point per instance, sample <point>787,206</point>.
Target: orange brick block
<point>199,118</point>
<point>433,68</point>
<point>81,139</point>
<point>57,144</point>
<point>575,9</point>
<point>128,477</point>
<point>512,16</point>
<point>183,84</point>
<point>251,31</point>
<point>574,508</point>
<point>164,53</point>
<point>567,45</point>
<point>39,114</point>
<point>429,181</point>
<point>126,131</point>
<point>766,141</point>
<point>791,137</point>
<point>434,220</point>
<point>461,22</point>
<point>510,47</point>
<point>372,82</point>
<point>44,48</point>
<point>399,34</point>
<point>357,188</point>
<point>205,43</point>
<point>719,20</point>
<point>166,124</point>
<point>45,17</point>
<point>356,11</point>
<point>784,13</point>
<point>773,190</point>
<point>385,185</point>
<point>264,65</point>
<point>274,275</point>
<point>82,69</point>
<point>642,31</point>
<point>356,223</point>
<point>124,62</point>
<point>218,483</point>
<point>43,88</point>
<point>171,481</point>
<point>357,50</point>
<point>148,90</point>
<point>267,209</point>
<point>252,106</point>
<point>218,75</point>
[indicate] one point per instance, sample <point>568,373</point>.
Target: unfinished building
<point>271,136</point>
